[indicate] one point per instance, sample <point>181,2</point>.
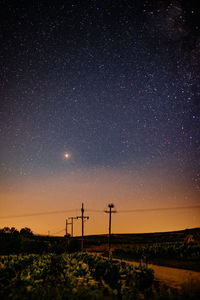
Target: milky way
<point>114,83</point>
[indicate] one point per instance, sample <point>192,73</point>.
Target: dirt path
<point>172,277</point>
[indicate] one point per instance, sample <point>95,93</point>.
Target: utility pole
<point>110,211</point>
<point>71,223</point>
<point>82,217</point>
<point>66,232</point>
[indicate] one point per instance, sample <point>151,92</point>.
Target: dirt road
<point>173,277</point>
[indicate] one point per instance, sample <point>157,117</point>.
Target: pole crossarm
<point>110,209</point>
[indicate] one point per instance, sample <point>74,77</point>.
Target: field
<point>76,276</point>
<point>181,255</point>
<point>36,267</point>
<point>179,249</point>
<point>175,249</point>
<point>79,276</point>
<point>187,235</point>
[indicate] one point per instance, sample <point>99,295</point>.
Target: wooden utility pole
<point>82,217</point>
<point>66,232</point>
<point>71,223</point>
<point>110,211</point>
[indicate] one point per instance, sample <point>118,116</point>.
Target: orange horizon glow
<point>128,191</point>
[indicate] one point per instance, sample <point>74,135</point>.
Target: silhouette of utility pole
<point>66,231</point>
<point>110,211</point>
<point>71,223</point>
<point>82,217</point>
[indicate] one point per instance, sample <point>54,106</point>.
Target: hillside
<point>187,235</point>
<point>18,243</point>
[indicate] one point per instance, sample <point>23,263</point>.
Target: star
<point>67,155</point>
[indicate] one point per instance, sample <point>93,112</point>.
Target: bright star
<point>67,155</point>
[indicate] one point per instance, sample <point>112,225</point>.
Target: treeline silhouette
<point>24,231</point>
<point>24,241</point>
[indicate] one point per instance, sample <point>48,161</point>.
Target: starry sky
<point>116,85</point>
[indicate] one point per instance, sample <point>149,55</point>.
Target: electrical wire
<point>158,209</point>
<point>148,209</point>
<point>37,214</point>
<point>59,231</point>
<point>100,211</point>
<point>94,210</point>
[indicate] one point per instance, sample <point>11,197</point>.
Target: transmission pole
<point>71,223</point>
<point>82,217</point>
<point>66,228</point>
<point>110,211</point>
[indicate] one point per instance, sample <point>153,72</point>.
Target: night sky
<point>116,86</point>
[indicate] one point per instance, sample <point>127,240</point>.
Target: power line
<point>38,214</point>
<point>148,209</point>
<point>59,231</point>
<point>100,211</point>
<point>158,209</point>
<point>95,210</point>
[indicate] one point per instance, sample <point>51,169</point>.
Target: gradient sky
<point>116,85</point>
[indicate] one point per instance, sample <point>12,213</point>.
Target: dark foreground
<point>81,276</point>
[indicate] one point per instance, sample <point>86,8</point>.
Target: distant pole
<point>66,227</point>
<point>82,217</point>
<point>72,219</point>
<point>110,211</point>
<point>72,227</point>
